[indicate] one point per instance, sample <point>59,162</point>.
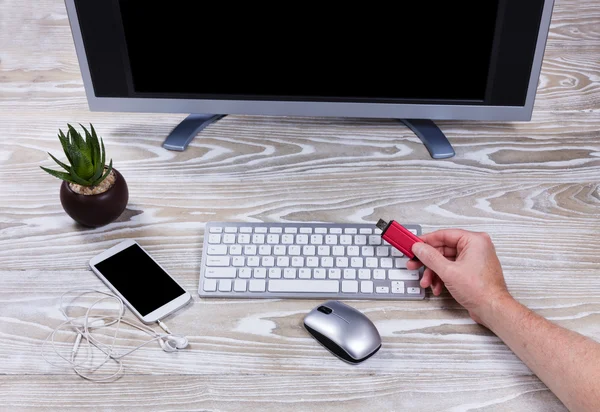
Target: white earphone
<point>84,325</point>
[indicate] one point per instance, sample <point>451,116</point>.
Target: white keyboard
<point>304,260</point>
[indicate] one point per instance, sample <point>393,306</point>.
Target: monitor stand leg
<point>184,132</point>
<point>432,137</point>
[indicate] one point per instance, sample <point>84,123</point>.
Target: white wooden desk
<point>533,186</point>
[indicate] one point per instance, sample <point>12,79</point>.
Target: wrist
<point>496,307</point>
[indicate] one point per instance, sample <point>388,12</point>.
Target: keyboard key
<point>364,273</point>
<point>338,251</point>
<point>260,229</point>
<point>353,251</point>
<point>331,240</point>
<point>382,289</point>
<point>374,240</point>
<point>379,274</point>
<point>345,240</point>
<point>260,273</point>
<point>217,261</point>
<point>258,238</point>
<point>268,261</point>
<point>397,274</point>
<point>360,240</point>
<point>341,262</point>
<point>294,250</point>
<point>308,250</point>
<point>245,229</point>
<point>225,285</point>
<point>215,230</point>
<point>371,262</point>
<point>319,273</point>
<point>396,252</point>
<point>283,261</point>
<point>349,273</point>
<point>291,230</point>
<point>287,239</point>
<point>383,250</point>
<point>210,285</point>
<point>214,238</point>
<point>306,230</point>
<point>272,239</point>
<point>316,239</point>
<point>277,250</point>
<point>368,251</point>
<point>243,238</point>
<point>274,272</point>
<point>217,250</point>
<point>335,273</point>
<point>289,273</point>
<point>336,230</point>
<point>400,263</point>
<point>304,273</point>
<point>327,262</point>
<point>324,250</point>
<point>220,272</point>
<point>365,231</point>
<point>366,287</point>
<point>239,285</point>
<point>397,287</point>
<point>253,261</point>
<point>249,250</point>
<point>356,262</point>
<point>350,286</point>
<point>307,286</point>
<point>257,285</point>
<point>231,229</point>
<point>350,231</point>
<point>297,261</point>
<point>245,273</point>
<point>275,230</point>
<point>229,238</point>
<point>238,261</point>
<point>312,262</point>
<point>386,263</point>
<point>413,290</point>
<point>321,230</point>
<point>235,250</point>
<point>302,239</point>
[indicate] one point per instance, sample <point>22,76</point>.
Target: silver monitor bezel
<point>314,108</point>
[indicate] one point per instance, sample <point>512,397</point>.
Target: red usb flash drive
<point>398,236</point>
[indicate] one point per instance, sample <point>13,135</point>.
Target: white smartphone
<point>143,285</point>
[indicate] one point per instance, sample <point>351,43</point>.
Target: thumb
<point>431,258</point>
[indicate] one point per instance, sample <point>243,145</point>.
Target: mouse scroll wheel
<point>324,309</point>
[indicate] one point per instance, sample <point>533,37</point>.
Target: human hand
<point>466,262</point>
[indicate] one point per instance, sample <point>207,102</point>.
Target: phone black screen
<point>139,279</point>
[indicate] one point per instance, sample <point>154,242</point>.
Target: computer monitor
<point>414,61</point>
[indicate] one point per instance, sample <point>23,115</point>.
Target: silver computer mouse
<point>345,331</point>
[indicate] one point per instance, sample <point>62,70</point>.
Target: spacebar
<point>316,286</point>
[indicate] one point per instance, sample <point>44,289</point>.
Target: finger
<point>413,264</point>
<point>431,258</point>
<point>437,285</point>
<point>444,237</point>
<point>427,278</point>
<point>447,251</point>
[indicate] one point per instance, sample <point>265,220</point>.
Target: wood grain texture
<point>534,186</point>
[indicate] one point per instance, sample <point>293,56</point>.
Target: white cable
<point>83,326</point>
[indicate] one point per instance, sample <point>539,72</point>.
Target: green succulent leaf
<point>99,170</point>
<point>103,160</point>
<point>105,175</point>
<point>78,179</point>
<point>81,166</point>
<point>76,139</point>
<point>95,147</point>
<point>61,164</point>
<point>64,141</point>
<point>60,175</point>
<point>87,146</point>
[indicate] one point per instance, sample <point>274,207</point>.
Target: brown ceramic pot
<point>96,210</point>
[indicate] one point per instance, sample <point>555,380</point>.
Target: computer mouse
<point>345,331</point>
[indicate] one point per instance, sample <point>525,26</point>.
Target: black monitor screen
<point>417,52</point>
<point>466,52</point>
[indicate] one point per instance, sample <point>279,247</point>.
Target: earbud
<point>173,342</point>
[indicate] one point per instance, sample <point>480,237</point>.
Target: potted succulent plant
<point>92,193</point>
